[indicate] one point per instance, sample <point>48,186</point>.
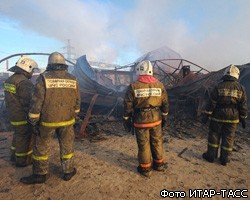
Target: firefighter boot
<point>68,176</point>
<point>29,160</point>
<point>24,161</point>
<point>211,154</point>
<point>145,171</point>
<point>208,157</point>
<point>159,166</point>
<point>34,179</point>
<point>224,158</point>
<point>20,165</point>
<point>21,162</point>
<point>13,158</point>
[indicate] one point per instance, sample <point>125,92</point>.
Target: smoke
<point>210,33</point>
<point>85,24</point>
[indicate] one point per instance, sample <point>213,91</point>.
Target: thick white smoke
<point>210,33</point>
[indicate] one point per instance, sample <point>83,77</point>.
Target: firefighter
<point>54,107</point>
<point>145,111</point>
<point>18,91</point>
<point>226,107</point>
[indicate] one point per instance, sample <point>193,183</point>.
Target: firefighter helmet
<point>25,63</point>
<point>144,68</point>
<point>233,71</point>
<point>56,58</point>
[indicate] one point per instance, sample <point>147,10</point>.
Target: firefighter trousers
<point>221,135</point>
<point>21,147</point>
<point>150,145</point>
<point>65,136</point>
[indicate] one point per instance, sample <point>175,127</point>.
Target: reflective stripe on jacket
<point>144,96</point>
<point>18,91</point>
<point>228,102</point>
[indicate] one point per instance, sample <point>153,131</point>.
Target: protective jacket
<point>228,101</point>
<point>146,101</point>
<point>18,91</point>
<point>56,99</point>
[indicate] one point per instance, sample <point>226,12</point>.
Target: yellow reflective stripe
<point>226,148</point>
<point>165,114</point>
<point>13,148</point>
<point>68,156</point>
<point>55,124</point>
<point>40,157</point>
<point>225,121</point>
<point>60,83</point>
<point>33,115</point>
<point>19,123</point>
<point>213,145</point>
<point>78,110</point>
<point>23,154</point>
<point>230,93</point>
<point>208,112</point>
<point>10,88</point>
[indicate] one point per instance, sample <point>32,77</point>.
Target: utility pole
<point>69,48</point>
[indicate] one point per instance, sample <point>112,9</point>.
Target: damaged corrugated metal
<point>103,86</point>
<point>189,98</point>
<point>111,85</point>
<point>188,86</point>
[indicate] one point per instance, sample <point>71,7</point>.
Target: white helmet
<point>233,71</point>
<point>144,68</point>
<point>26,64</point>
<point>56,58</point>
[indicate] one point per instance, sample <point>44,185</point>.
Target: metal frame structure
<point>169,74</point>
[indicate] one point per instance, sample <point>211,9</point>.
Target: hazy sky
<point>210,33</point>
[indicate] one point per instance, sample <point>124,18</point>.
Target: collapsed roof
<point>189,98</point>
<point>110,85</point>
<point>188,84</point>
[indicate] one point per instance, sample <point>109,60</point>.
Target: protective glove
<point>33,125</point>
<point>127,124</point>
<point>243,123</point>
<point>164,121</point>
<point>204,118</point>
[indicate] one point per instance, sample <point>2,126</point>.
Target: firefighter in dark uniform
<point>18,91</point>
<point>146,110</point>
<point>226,108</point>
<point>54,107</point>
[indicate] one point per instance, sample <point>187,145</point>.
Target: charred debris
<point>103,87</point>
